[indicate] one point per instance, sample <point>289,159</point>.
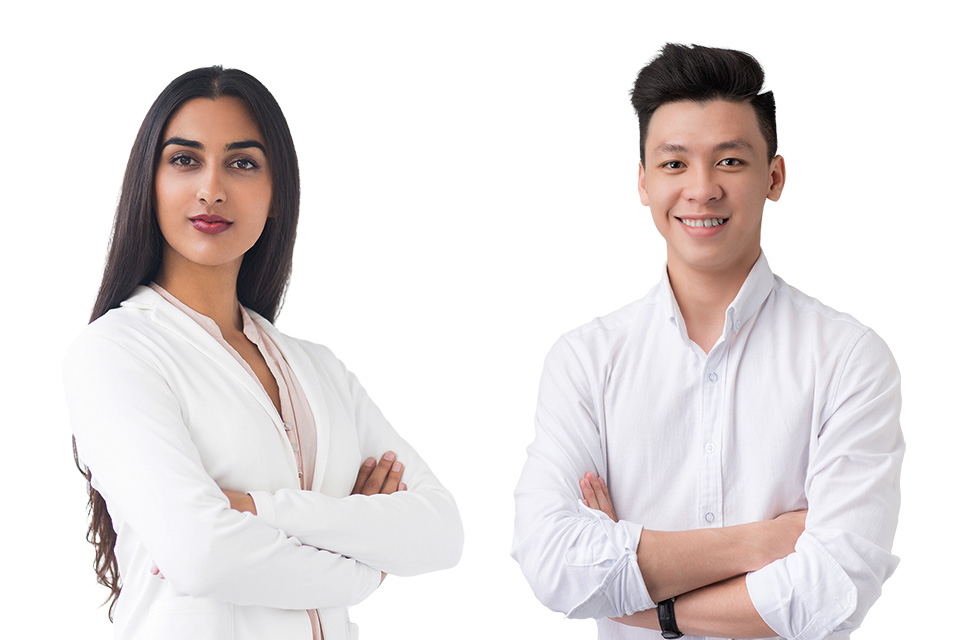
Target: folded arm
<point>588,565</point>
<point>403,533</point>
<point>131,435</point>
<point>843,556</point>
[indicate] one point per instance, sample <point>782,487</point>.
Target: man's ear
<point>642,187</point>
<point>778,175</point>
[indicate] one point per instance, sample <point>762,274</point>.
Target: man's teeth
<point>709,222</point>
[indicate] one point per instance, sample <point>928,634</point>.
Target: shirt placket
<point>712,383</point>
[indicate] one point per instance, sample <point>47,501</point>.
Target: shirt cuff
<point>805,596</point>
<point>622,590</point>
<point>266,511</point>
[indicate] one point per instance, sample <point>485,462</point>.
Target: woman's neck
<point>211,291</point>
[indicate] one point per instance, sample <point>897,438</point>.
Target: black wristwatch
<point>668,621</point>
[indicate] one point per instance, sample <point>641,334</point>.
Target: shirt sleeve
<point>853,491</point>
<point>577,560</point>
<point>405,533</point>
<point>131,435</point>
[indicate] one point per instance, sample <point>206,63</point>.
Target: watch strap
<point>668,620</point>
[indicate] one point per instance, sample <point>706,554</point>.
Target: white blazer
<point>164,417</point>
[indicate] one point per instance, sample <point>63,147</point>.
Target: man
<point>748,434</point>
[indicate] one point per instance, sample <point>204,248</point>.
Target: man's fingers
<point>589,496</point>
<point>601,495</point>
<point>365,470</point>
<point>378,476</point>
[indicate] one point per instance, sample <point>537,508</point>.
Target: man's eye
<point>730,162</point>
<point>673,164</point>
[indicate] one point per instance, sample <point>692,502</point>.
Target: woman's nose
<point>211,189</point>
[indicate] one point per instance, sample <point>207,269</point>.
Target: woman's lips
<point>210,224</point>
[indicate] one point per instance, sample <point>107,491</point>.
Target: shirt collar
<point>753,292</point>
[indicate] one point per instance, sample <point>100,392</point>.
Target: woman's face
<point>213,185</point>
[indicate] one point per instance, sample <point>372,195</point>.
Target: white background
<point>469,193</point>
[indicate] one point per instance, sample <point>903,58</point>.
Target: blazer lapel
<point>309,380</point>
<point>168,316</point>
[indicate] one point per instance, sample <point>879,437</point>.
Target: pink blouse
<point>294,410</point>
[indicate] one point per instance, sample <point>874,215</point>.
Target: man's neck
<point>703,297</point>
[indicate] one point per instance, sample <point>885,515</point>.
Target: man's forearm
<point>723,609</point>
<point>676,562</point>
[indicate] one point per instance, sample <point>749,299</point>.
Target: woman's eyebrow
<point>183,142</point>
<point>193,144</point>
<point>245,144</point>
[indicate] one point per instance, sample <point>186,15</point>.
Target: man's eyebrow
<point>670,147</point>
<point>734,145</point>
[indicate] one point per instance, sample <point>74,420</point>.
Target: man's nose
<point>702,186</point>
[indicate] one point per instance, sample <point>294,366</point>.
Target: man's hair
<point>701,74</point>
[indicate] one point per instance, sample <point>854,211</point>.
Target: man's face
<point>706,180</point>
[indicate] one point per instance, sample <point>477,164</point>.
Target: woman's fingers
<point>392,483</point>
<point>363,475</point>
<point>379,477</point>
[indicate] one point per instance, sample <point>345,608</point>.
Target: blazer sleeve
<point>131,435</point>
<point>405,533</point>
<point>853,490</point>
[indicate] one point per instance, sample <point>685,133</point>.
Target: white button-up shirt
<point>795,407</point>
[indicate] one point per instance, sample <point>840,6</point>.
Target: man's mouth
<point>708,222</point>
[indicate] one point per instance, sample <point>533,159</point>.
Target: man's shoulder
<point>623,320</point>
<point>605,335</point>
<point>810,313</point>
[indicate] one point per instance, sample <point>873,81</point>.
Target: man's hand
<point>374,478</point>
<point>781,535</point>
<point>596,495</point>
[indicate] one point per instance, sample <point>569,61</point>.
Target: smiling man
<point>722,457</point>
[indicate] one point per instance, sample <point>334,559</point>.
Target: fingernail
<point>602,482</point>
<point>397,466</point>
<point>369,462</point>
<point>389,455</point>
<point>402,487</point>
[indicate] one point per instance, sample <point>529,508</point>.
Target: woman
<point>221,455</point>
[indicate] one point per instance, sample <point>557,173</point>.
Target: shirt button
<point>710,447</point>
<point>296,447</point>
<point>712,377</point>
<point>709,516</point>
<point>286,426</point>
<point>299,474</point>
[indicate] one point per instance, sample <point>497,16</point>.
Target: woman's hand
<point>374,478</point>
<point>596,495</point>
<point>241,501</point>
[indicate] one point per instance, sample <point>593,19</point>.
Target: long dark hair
<point>133,258</point>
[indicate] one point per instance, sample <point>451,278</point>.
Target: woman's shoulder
<point>127,328</point>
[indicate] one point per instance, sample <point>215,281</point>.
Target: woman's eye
<point>181,160</point>
<point>244,164</point>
